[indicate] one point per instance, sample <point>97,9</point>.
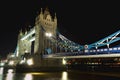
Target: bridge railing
<point>106,51</point>
<point>103,51</point>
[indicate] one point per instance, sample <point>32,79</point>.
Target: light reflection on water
<point>28,77</point>
<point>1,73</point>
<point>64,76</point>
<point>11,75</point>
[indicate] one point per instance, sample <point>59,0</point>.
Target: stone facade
<point>44,23</point>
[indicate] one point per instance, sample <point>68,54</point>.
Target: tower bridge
<point>46,45</point>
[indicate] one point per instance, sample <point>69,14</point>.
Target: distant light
<point>48,34</point>
<point>28,77</point>
<point>64,61</point>
<point>22,61</point>
<point>30,61</point>
<point>11,62</point>
<point>10,70</point>
<point>26,51</point>
<point>2,64</point>
<point>12,55</point>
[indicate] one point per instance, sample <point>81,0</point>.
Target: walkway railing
<point>106,52</point>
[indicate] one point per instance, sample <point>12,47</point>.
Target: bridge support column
<point>50,64</point>
<point>42,64</point>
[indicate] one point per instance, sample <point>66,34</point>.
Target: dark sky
<point>83,22</point>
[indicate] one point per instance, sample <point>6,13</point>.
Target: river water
<point>63,75</point>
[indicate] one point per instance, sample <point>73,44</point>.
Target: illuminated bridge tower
<point>23,46</point>
<point>45,26</point>
<point>40,40</point>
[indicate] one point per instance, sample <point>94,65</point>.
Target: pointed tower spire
<point>20,32</point>
<point>41,11</point>
<point>55,18</point>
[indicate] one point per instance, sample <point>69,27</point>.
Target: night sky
<point>83,22</point>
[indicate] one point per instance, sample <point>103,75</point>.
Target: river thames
<point>63,75</point>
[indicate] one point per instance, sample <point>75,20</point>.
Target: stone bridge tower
<point>36,37</point>
<point>24,46</point>
<point>44,24</point>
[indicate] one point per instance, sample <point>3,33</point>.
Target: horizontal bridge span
<point>84,56</point>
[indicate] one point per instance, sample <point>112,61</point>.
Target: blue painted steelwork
<point>68,44</point>
<point>76,49</point>
<point>106,41</point>
<point>64,43</point>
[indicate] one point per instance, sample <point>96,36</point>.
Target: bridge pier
<point>41,64</point>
